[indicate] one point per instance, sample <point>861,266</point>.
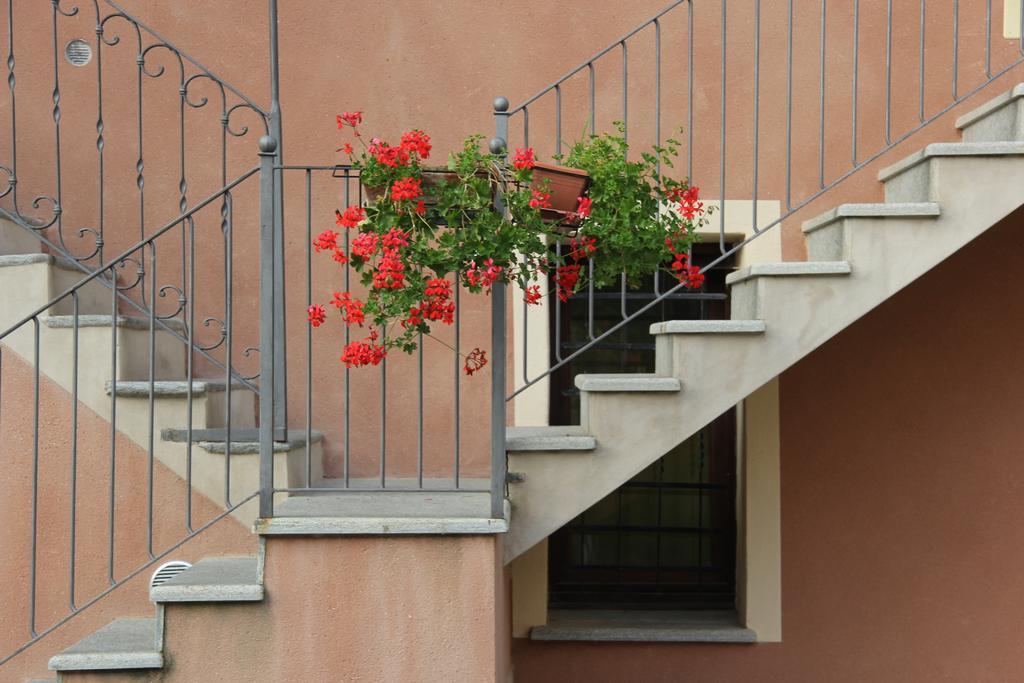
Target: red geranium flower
<point>524,158</point>
<point>532,294</point>
<point>350,118</point>
<point>316,315</point>
<point>476,359</point>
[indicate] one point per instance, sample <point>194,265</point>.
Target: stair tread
<point>123,321</point>
<point>121,644</point>
<point>949,149</point>
<point>788,268</point>
<point>708,327</point>
<point>169,388</point>
<point>998,102</point>
<point>244,440</point>
<point>881,210</point>
<point>626,382</point>
<point>213,579</point>
<point>550,438</point>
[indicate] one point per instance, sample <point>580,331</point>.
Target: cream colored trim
<point>530,590</point>
<point>759,576</point>
<point>1011,18</point>
<point>531,406</point>
<point>739,216</point>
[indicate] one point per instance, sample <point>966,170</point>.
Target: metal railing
<point>736,55</point>
<point>69,462</point>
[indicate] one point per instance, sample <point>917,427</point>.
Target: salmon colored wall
<point>347,609</point>
<point>91,557</point>
<point>438,66</point>
<point>901,490</point>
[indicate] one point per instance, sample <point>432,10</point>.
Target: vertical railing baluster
<point>190,372</point>
<point>419,411</point>
<point>856,48</point>
<point>821,102</point>
<point>625,92</point>
<point>499,353</point>
<point>384,413</point>
<point>228,229</point>
<point>457,369</point>
<point>657,91</point>
<point>74,448</point>
<point>267,149</point>
<point>956,48</point>
<point>348,338</point>
<point>920,61</point>
<point>988,39</point>
<point>151,416</point>
<point>721,177</point>
<point>111,512</point>
<point>789,105</point>
<point>888,73</point>
<point>309,328</point>
<point>33,559</point>
<point>757,108</point>
<point>558,120</point>
<point>689,95</point>
<point>100,140</point>
<point>591,78</point>
<point>11,81</point>
<point>56,113</point>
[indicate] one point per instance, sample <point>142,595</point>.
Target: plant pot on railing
<point>566,186</point>
<point>434,177</point>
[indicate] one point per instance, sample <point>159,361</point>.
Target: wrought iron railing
<point>65,467</point>
<point>716,93</point>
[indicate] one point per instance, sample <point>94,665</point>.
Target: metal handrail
<point>504,113</point>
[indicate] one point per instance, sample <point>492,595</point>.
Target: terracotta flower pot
<point>566,186</point>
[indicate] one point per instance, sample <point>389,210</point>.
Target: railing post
<point>280,350</point>
<point>268,324</point>
<point>499,463</point>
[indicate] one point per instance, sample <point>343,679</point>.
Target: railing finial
<point>268,145</point>
<point>501,104</point>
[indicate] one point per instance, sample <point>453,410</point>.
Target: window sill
<point>643,626</point>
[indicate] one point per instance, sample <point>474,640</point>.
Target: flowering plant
<point>429,231</point>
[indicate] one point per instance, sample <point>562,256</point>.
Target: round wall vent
<point>167,571</point>
<point>78,52</point>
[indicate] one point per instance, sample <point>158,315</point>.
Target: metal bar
<point>988,38</point>
<point>821,102</point>
<point>348,338</point>
<point>888,73</point>
<point>625,92</point>
<point>151,421</point>
<point>558,120</point>
<point>33,559</point>
<point>593,109</point>
<point>856,48</point>
<point>419,415</point>
<point>309,329</point>
<point>189,376</point>
<point>689,96</point>
<point>920,61</point>
<point>457,406</point>
<point>384,412</point>
<point>498,354</point>
<point>280,337</point>
<point>267,149</point>
<point>757,109</point>
<point>111,512</point>
<point>657,92</point>
<point>789,105</point>
<point>74,449</point>
<point>956,46</point>
<point>572,72</point>
<point>721,177</point>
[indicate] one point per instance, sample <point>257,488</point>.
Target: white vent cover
<point>78,52</point>
<point>167,571</point>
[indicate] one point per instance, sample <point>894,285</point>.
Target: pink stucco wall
<point>901,500</point>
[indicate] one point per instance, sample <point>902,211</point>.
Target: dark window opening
<point>665,539</point>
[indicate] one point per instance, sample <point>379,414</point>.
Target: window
<point>666,538</point>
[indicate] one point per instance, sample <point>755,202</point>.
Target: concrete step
<point>125,322</point>
<point>214,579</point>
<point>244,440</point>
<point>749,286</point>
<point>168,388</point>
<point>829,235</point>
<point>999,119</point>
<point>627,383</point>
<point>121,644</point>
<point>914,178</point>
<point>534,439</point>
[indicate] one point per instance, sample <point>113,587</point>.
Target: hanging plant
<point>426,231</point>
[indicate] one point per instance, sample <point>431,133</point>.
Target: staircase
<point>858,256</point>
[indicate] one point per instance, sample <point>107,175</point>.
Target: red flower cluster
<point>395,238</point>
<point>351,309</point>
<point>350,118</point>
<point>328,239</point>
<point>362,353</point>
<point>364,245</point>
<point>317,315</point>
<point>347,149</point>
<point>524,158</point>
<point>416,142</point>
<point>690,205</point>
<point>353,216</point>
<point>532,295</point>
<point>682,269</point>
<point>483,278</point>
<point>581,248</point>
<point>566,278</point>
<point>437,306</point>
<point>406,188</point>
<point>540,200</point>
<point>583,210</point>
<point>476,359</point>
<point>388,155</point>
<point>390,273</point>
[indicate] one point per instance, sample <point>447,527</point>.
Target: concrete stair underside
<point>937,201</point>
<point>119,355</point>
